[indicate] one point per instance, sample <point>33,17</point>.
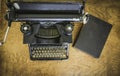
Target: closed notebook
<point>93,36</point>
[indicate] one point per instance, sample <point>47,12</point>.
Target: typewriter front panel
<point>48,40</point>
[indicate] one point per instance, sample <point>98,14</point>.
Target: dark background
<point>14,55</point>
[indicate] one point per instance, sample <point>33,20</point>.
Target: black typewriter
<point>47,26</point>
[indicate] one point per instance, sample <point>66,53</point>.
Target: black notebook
<point>93,36</point>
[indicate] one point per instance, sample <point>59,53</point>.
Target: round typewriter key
<point>36,56</point>
<point>36,51</point>
<point>33,52</point>
<point>33,56</point>
<point>64,56</point>
<point>47,56</point>
<point>37,48</point>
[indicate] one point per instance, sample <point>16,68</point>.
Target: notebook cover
<point>93,36</point>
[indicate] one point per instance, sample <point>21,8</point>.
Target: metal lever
<point>6,34</point>
<point>5,37</point>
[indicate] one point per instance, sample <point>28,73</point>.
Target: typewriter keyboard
<point>48,52</point>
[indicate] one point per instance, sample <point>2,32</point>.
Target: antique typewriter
<point>47,28</point>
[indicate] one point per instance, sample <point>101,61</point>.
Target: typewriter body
<point>47,27</point>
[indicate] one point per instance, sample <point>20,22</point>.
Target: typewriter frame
<point>45,15</point>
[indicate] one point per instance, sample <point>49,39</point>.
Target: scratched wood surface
<point>14,55</point>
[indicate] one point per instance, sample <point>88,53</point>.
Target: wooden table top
<point>15,61</point>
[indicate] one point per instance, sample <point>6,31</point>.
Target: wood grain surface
<point>14,55</point>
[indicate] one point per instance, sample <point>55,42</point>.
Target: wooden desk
<point>14,55</point>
